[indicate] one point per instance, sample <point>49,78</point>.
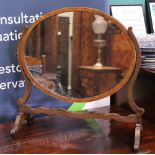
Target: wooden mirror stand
<point>26,112</point>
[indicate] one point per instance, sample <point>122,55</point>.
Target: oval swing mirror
<point>77,54</point>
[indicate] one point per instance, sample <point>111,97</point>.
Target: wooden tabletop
<point>104,68</point>
<point>65,135</point>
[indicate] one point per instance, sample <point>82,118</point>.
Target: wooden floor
<point>58,134</point>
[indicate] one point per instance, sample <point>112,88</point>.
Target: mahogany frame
<point>26,112</point>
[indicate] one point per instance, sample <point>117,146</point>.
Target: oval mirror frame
<point>27,74</point>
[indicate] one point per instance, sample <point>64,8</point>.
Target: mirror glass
<point>78,54</point>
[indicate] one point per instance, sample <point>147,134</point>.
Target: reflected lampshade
<point>99,25</point>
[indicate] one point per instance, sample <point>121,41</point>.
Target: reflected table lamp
<point>99,28</point>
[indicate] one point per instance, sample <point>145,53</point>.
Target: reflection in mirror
<point>77,54</point>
